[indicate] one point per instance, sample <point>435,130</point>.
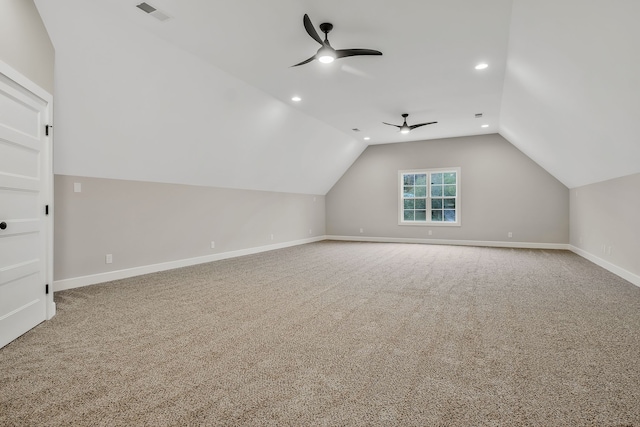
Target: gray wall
<point>24,42</point>
<point>143,223</point>
<point>502,191</point>
<point>605,221</point>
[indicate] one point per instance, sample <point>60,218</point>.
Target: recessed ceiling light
<point>366,138</point>
<point>481,66</point>
<point>485,126</point>
<point>296,99</point>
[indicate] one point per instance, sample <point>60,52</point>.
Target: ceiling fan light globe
<point>326,55</point>
<point>405,130</point>
<point>327,59</point>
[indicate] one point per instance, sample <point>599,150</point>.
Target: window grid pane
<point>408,191</point>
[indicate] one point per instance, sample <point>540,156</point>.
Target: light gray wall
<point>143,223</point>
<point>605,221</point>
<point>502,191</point>
<point>24,42</point>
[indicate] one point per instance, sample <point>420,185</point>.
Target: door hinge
<point>46,289</point>
<point>46,210</point>
<point>46,129</point>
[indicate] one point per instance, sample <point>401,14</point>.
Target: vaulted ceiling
<point>561,85</point>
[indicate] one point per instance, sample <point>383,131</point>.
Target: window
<point>430,197</point>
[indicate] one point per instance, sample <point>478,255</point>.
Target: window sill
<point>430,224</point>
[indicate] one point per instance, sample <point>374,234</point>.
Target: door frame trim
<point>47,196</point>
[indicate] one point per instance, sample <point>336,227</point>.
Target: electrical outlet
<point>310,231</point>
<point>509,234</point>
<point>362,230</point>
<point>77,187</point>
<point>213,244</point>
<point>108,258</point>
<point>272,236</point>
<point>429,232</point>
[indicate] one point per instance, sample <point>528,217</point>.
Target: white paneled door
<point>25,219</point>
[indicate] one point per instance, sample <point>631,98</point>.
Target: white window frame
<point>428,222</point>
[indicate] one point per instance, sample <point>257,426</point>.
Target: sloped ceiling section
<point>430,49</point>
<point>570,98</point>
<point>132,106</point>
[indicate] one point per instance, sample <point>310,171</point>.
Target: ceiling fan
<point>405,128</point>
<point>326,54</point>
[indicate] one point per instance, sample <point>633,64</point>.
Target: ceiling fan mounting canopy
<point>327,53</point>
<point>326,27</point>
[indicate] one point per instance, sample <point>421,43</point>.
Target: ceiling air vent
<point>478,115</point>
<point>159,15</point>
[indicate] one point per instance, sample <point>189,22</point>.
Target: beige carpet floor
<point>338,334</point>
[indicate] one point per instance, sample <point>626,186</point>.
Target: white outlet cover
<point>77,187</point>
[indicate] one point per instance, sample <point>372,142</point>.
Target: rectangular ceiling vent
<point>159,15</point>
<point>478,115</point>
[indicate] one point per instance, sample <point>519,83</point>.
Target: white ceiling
<point>429,50</point>
<point>571,95</point>
<point>561,85</point>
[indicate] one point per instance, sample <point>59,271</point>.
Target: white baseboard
<point>76,282</point>
<point>519,245</point>
<point>626,275</point>
<point>51,310</point>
